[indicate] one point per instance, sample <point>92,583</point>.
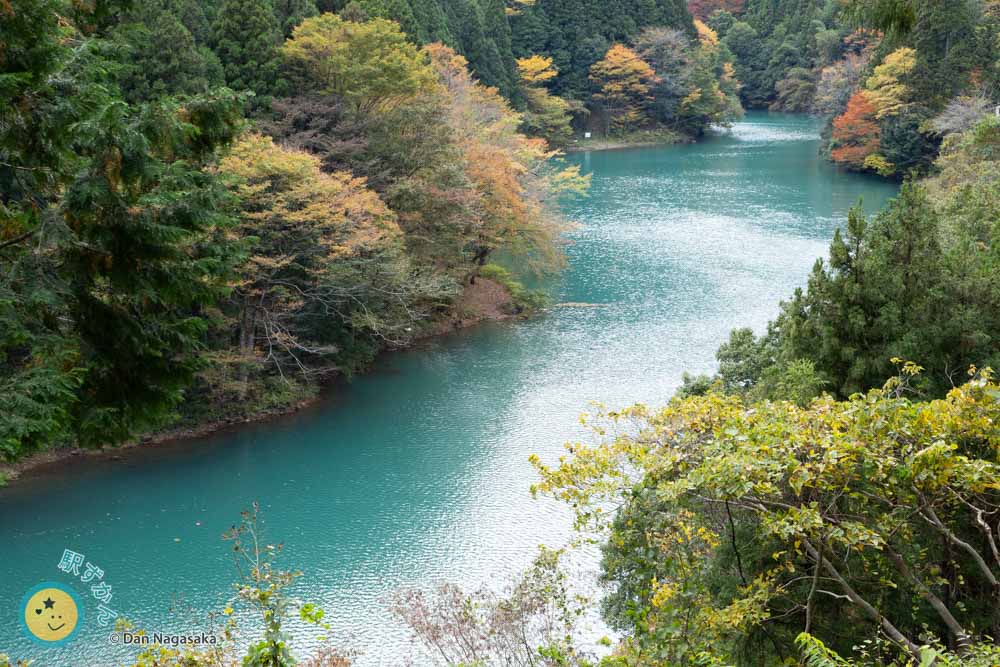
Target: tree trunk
<point>891,630</point>
<point>248,341</point>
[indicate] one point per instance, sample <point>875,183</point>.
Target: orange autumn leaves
<point>625,80</point>
<point>281,188</point>
<point>856,132</point>
<point>514,182</point>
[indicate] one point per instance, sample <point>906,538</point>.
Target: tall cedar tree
<point>290,13</point>
<point>247,36</point>
<point>148,251</point>
<point>126,244</point>
<point>160,57</point>
<point>38,374</point>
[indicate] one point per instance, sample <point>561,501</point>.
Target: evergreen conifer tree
<point>247,36</point>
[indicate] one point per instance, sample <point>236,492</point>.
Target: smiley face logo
<point>51,613</point>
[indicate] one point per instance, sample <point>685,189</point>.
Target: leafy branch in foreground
<point>742,525</point>
<point>262,590</point>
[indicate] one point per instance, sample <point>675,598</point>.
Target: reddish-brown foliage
<point>856,135</point>
<point>702,9</point>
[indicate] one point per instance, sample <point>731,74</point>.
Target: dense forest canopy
<point>576,34</point>
<point>161,254</point>
<point>254,195</point>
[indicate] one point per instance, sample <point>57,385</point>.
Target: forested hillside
<point>529,48</point>
<point>173,248</point>
<point>576,34</point>
<point>822,500</point>
<point>887,75</point>
<point>913,96</point>
<point>210,207</point>
<point>805,506</point>
<point>918,281</point>
<point>245,34</point>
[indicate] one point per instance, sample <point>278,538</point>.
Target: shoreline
<point>621,146</point>
<point>483,302</point>
<point>40,463</point>
<point>634,140</point>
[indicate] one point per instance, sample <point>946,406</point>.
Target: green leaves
<point>817,654</point>
<point>322,56</point>
<point>112,234</point>
<point>715,493</point>
<point>892,16</point>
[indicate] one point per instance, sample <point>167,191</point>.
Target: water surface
<point>419,471</point>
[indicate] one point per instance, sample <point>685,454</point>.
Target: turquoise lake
<point>418,472</point>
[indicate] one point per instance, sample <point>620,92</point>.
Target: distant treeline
<point>893,78</point>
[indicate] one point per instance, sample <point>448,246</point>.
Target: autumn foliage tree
<point>319,246</point>
<point>371,65</point>
<point>886,88</point>
<point>547,115</point>
<point>856,134</point>
<point>670,53</point>
<point>536,70</point>
<point>623,80</point>
<point>838,81</point>
<point>711,97</point>
<point>515,184</point>
<point>443,151</point>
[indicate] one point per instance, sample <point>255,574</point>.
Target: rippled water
<point>418,472</point>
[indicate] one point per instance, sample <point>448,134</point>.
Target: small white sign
<point>586,135</point>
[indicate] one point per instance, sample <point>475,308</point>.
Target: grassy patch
<point>523,300</point>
